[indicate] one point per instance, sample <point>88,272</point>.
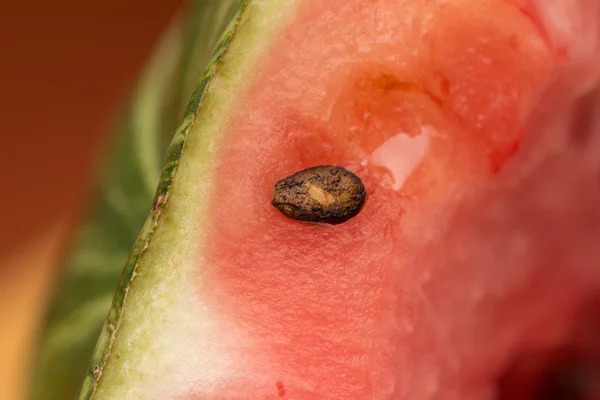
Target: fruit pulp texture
<point>423,100</point>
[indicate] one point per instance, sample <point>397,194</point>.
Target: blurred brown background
<point>65,66</point>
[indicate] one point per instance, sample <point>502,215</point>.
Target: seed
<point>320,194</point>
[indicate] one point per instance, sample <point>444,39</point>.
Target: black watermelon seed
<point>326,194</point>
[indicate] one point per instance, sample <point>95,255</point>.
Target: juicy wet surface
<point>385,305</point>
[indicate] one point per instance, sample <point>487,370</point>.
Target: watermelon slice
<point>471,269</point>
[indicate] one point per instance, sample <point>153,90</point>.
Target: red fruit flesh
<point>427,293</point>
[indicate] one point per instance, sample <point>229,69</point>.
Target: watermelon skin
<point>122,199</point>
<point>102,350</point>
<point>412,364</point>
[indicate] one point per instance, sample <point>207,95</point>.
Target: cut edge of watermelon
<point>171,224</point>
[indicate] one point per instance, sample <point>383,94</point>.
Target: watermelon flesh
<point>472,270</point>
<point>320,305</point>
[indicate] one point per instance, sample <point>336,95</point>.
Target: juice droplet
<point>401,154</point>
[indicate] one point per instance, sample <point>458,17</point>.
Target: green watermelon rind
<point>112,323</point>
<point>125,185</point>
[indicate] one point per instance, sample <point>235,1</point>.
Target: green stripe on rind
<point>92,264</point>
<point>209,20</point>
<point>111,326</point>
